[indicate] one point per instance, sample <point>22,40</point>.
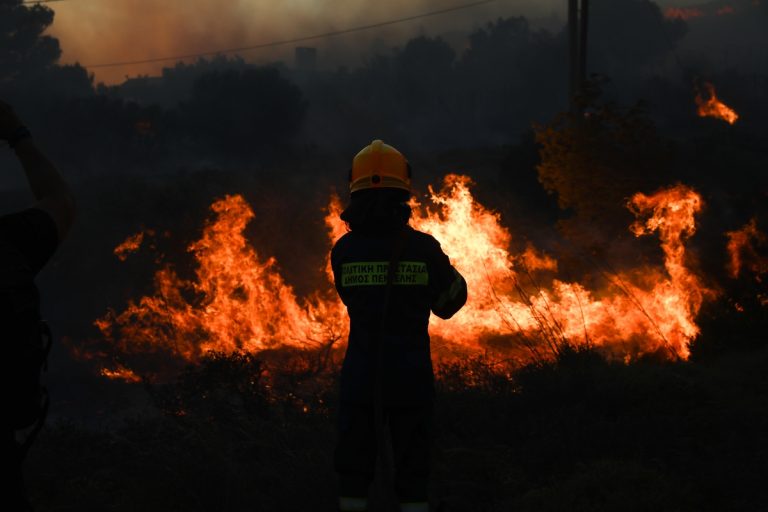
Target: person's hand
<point>9,121</point>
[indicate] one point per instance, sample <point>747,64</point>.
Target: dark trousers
<point>409,428</point>
<point>14,495</point>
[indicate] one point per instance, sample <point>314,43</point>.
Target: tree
<point>594,162</point>
<point>633,31</point>
<point>243,112</point>
<point>23,47</point>
<point>29,57</point>
<point>424,70</point>
<point>510,75</point>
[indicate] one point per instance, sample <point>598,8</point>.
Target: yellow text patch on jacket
<point>374,273</point>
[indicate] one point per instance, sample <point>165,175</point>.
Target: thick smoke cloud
<point>95,32</point>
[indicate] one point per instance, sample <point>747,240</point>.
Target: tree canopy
<point>595,160</point>
<point>24,48</point>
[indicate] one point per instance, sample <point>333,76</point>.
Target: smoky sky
<point>105,31</point>
<point>99,31</point>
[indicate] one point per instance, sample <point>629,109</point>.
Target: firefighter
<point>387,381</point>
<point>28,238</point>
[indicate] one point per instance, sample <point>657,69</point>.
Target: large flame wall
<point>239,301</point>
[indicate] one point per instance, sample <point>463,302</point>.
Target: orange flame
<point>627,321</point>
<point>533,261</point>
<point>631,320</point>
<point>336,228</point>
<point>672,213</point>
<point>713,107</point>
<point>742,251</point>
<point>683,13</point>
<point>238,301</point>
<point>129,246</point>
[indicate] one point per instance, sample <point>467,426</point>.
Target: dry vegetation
<point>244,432</point>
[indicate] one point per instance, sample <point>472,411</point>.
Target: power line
<point>289,41</point>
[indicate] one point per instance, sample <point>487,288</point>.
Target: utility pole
<point>578,28</point>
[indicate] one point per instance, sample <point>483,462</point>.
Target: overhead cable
<point>287,41</point>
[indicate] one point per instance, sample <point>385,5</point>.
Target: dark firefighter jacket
<point>425,282</point>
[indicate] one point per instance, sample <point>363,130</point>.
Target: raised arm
<point>52,193</point>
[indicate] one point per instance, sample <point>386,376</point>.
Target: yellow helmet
<point>379,166</point>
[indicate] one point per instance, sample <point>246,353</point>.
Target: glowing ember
<point>129,246</point>
<point>727,9</point>
<point>743,253</point>
<point>238,301</point>
<point>120,373</point>
<point>683,13</point>
<point>713,107</point>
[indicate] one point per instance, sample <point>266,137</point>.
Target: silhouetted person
<point>387,387</point>
<point>28,238</point>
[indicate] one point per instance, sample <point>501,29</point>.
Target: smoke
<point>730,36</point>
<point>104,31</point>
